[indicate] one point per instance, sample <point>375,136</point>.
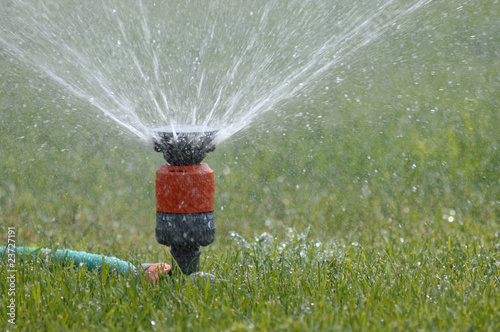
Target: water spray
<point>185,190</point>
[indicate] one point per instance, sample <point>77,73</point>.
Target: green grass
<point>383,214</point>
<point>295,284</point>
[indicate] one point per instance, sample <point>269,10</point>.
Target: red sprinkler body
<point>185,190</point>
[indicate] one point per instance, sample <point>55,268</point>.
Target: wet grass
<point>373,205</point>
<point>441,283</point>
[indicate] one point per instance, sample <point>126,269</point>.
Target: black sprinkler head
<point>184,145</point>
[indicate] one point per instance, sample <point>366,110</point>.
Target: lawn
<point>371,205</point>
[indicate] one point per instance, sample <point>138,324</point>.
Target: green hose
<point>78,258</point>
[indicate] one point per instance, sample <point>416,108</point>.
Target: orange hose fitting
<point>156,271</point>
<point>185,189</point>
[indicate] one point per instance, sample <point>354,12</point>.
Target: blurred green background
<point>406,146</point>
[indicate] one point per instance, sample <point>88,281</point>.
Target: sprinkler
<point>185,189</point>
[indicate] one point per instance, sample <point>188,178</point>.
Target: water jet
<point>185,190</point>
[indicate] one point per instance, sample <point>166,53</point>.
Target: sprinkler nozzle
<point>184,145</point>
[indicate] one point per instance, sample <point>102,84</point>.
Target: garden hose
<point>92,261</point>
